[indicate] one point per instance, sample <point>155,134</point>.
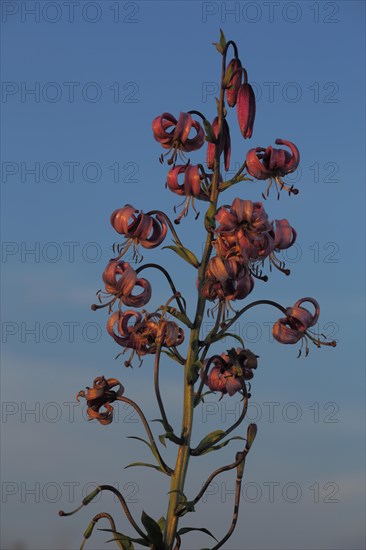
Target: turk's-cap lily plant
<point>241,240</point>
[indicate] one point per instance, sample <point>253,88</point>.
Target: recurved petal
<point>316,305</point>
<point>285,235</point>
<point>192,144</point>
<point>284,334</point>
<point>121,217</point>
<point>255,167</point>
<point>141,299</point>
<point>159,231</point>
<point>160,125</point>
<point>172,179</point>
<point>233,384</point>
<point>215,380</point>
<point>192,181</point>
<point>293,162</point>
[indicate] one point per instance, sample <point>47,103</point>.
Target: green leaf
<point>185,530</point>
<point>251,435</point>
<point>124,541</point>
<point>220,46</point>
<point>162,523</point>
<point>184,253</point>
<point>210,134</point>
<point>153,530</point>
<point>170,428</point>
<point>159,468</point>
<point>208,441</point>
<point>221,445</point>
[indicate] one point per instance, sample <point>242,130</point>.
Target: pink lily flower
<point>235,82</point>
<point>101,395</point>
<point>225,145</point>
<point>174,135</point>
<point>273,163</point>
<point>295,326</point>
<point>195,186</point>
<point>142,335</point>
<point>141,228</point>
<point>245,224</point>
<point>120,279</point>
<point>229,372</point>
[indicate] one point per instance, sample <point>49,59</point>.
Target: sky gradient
<point>81,84</point>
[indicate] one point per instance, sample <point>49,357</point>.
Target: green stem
<point>183,456</point>
<point>154,448</point>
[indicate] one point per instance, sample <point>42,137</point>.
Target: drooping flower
<point>244,226</point>
<point>173,134</point>
<point>245,109</point>
<point>227,279</point>
<point>295,326</point>
<point>132,330</point>
<point>138,227</point>
<point>235,82</point>
<point>195,185</point>
<point>101,395</point>
<point>273,163</point>
<point>225,145</point>
<point>120,279</point>
<point>230,371</point>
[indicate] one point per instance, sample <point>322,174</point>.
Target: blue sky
<point>79,146</point>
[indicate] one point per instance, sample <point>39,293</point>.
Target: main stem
<point>181,465</point>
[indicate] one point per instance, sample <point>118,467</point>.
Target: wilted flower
<point>227,279</point>
<point>245,109</point>
<point>144,332</point>
<point>225,145</point>
<point>295,326</point>
<point>101,395</point>
<point>120,279</point>
<point>273,163</point>
<point>230,371</point>
<point>235,82</point>
<point>138,227</point>
<point>177,139</point>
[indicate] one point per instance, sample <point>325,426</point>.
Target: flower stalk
<point>239,239</point>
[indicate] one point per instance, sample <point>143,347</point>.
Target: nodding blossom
<point>173,134</point>
<point>101,395</point>
<point>244,227</point>
<point>120,280</point>
<point>295,326</point>
<point>230,370</point>
<point>273,164</point>
<point>142,332</point>
<point>138,227</point>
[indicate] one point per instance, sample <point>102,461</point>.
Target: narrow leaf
<point>184,253</point>
<point>145,464</point>
<point>208,440</point>
<point>185,530</point>
<point>153,530</point>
